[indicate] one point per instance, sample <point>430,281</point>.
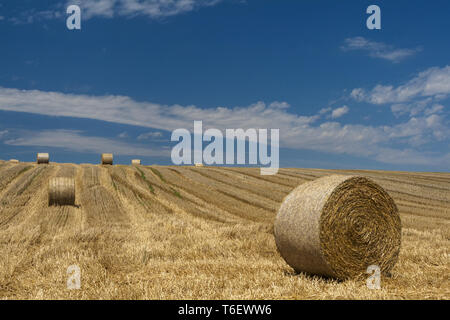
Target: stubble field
<point>195,233</point>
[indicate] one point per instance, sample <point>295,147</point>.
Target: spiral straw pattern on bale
<point>136,162</point>
<point>43,158</point>
<point>107,158</point>
<point>337,226</point>
<point>61,191</point>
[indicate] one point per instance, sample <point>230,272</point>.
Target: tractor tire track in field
<point>274,180</point>
<point>99,205</point>
<point>17,199</point>
<point>174,181</point>
<point>138,192</point>
<point>155,196</point>
<point>250,188</point>
<point>233,192</point>
<point>182,196</point>
<point>210,195</point>
<point>8,174</point>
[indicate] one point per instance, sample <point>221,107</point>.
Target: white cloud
<point>95,8</point>
<point>358,94</point>
<point>373,142</point>
<point>339,112</point>
<point>413,108</point>
<point>149,135</point>
<point>123,135</point>
<point>75,141</point>
<point>325,110</point>
<point>279,105</point>
<point>437,108</point>
<point>433,82</point>
<point>3,133</point>
<point>297,131</point>
<point>33,15</point>
<point>151,8</point>
<point>377,49</point>
<point>121,109</point>
<point>421,129</point>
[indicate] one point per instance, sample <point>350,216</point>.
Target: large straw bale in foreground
<point>61,191</point>
<point>107,158</point>
<point>43,158</point>
<point>337,226</point>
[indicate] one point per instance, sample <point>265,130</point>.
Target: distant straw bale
<point>43,158</point>
<point>107,158</point>
<point>61,191</point>
<point>136,162</point>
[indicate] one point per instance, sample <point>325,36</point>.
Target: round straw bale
<point>61,191</point>
<point>136,162</point>
<point>107,158</point>
<point>337,226</point>
<point>199,165</point>
<point>43,158</point>
<point>14,160</point>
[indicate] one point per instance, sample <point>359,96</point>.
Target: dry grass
<point>195,233</point>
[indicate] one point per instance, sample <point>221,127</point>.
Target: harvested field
<point>195,233</point>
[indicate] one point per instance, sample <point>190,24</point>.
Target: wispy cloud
<point>122,109</point>
<point>325,110</point>
<point>76,141</point>
<point>151,8</point>
<point>331,113</point>
<point>431,83</point>
<point>150,135</point>
<point>437,108</point>
<point>339,112</point>
<point>378,49</point>
<point>33,15</point>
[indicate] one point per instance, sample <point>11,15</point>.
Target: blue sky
<point>342,96</point>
